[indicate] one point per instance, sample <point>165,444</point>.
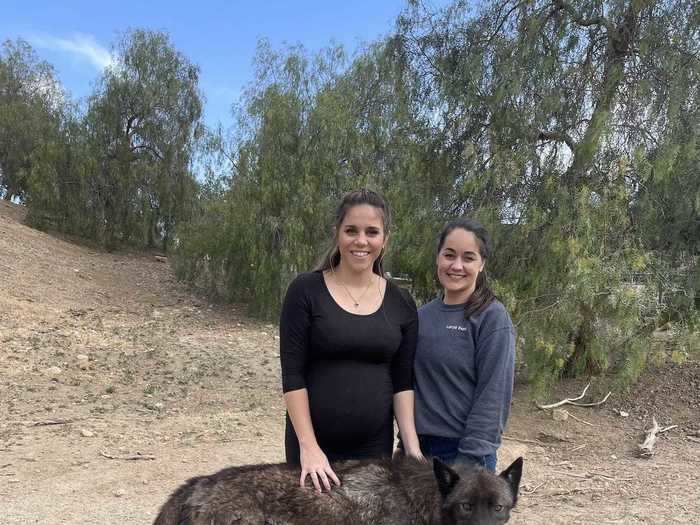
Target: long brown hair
<point>482,295</point>
<point>331,258</point>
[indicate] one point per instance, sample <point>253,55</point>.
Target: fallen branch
<point>565,401</point>
<point>563,492</point>
<point>573,401</point>
<point>131,457</point>
<point>595,403</point>
<point>572,474</point>
<point>591,475</point>
<point>612,478</point>
<point>646,449</point>
<point>532,491</point>
<point>49,422</point>
<point>579,419</point>
<point>528,441</point>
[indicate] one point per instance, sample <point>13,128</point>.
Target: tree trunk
<point>619,45</point>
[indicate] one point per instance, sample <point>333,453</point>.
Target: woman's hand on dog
<point>417,454</point>
<point>314,463</point>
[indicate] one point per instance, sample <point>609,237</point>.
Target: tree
<point>143,124</point>
<point>30,104</point>
<point>558,124</point>
<point>547,112</point>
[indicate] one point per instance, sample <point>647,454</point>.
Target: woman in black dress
<point>347,343</point>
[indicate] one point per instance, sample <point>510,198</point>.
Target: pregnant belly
<point>349,402</point>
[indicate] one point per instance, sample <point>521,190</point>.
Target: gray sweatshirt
<point>464,374</point>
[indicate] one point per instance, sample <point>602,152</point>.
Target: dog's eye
<point>498,508</point>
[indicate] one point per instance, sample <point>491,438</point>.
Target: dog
<point>402,491</point>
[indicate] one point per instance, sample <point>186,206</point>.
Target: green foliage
<point>121,173</point>
<point>30,104</point>
<point>570,129</point>
<point>529,117</point>
<point>547,127</point>
<point>252,239</point>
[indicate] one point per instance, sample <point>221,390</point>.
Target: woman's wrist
<point>413,451</point>
<point>308,444</point>
<point>411,446</point>
<point>412,443</point>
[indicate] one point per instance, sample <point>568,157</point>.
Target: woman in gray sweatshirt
<point>465,357</point>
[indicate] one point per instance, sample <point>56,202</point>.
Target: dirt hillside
<point>117,384</point>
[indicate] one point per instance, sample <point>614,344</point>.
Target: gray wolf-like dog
<point>402,491</point>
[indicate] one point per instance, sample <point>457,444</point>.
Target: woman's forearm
<point>314,462</point>
<point>297,402</point>
<point>404,414</point>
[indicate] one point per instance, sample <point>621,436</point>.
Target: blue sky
<point>220,36</point>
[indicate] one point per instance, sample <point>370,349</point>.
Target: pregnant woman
<point>347,344</point>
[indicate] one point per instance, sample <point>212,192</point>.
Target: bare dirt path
<point>105,357</point>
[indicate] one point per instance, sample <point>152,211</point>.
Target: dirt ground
<point>117,384</point>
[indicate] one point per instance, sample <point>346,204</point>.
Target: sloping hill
<point>106,353</point>
<point>116,384</point>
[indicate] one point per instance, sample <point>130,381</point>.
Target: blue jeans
<point>446,449</point>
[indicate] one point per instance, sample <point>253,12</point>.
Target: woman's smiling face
<point>459,262</point>
<point>361,237</point>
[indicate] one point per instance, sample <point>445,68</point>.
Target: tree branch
<point>559,136</point>
<point>129,123</point>
<point>149,148</point>
<point>585,22</point>
<point>574,401</point>
<point>502,22</point>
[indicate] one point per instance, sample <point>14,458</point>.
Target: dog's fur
<point>402,491</point>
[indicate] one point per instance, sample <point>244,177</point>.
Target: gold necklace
<point>355,302</point>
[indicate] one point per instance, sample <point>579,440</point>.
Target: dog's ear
<point>446,477</point>
<point>512,475</point>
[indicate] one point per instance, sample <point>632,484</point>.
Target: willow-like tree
<point>271,221</point>
<point>311,128</point>
<point>550,114</point>
<point>122,172</point>
<point>30,104</point>
<point>549,121</point>
<point>143,123</point>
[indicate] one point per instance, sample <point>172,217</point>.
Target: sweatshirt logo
<point>456,327</point>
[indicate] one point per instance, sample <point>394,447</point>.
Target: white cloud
<point>84,46</point>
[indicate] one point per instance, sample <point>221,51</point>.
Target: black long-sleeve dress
<point>351,366</point>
